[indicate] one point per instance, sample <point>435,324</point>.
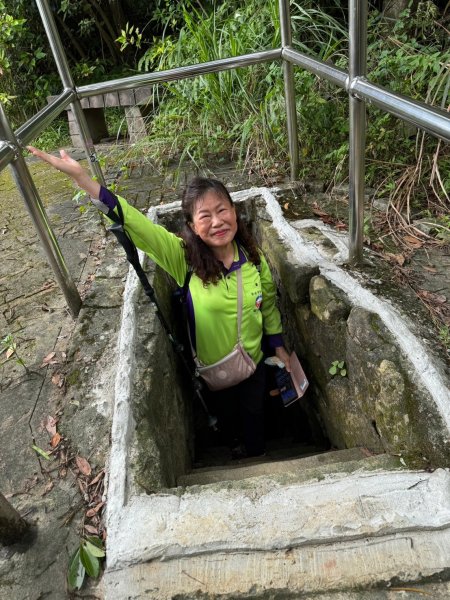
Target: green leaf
<point>340,364</point>
<point>76,571</point>
<point>96,541</point>
<point>94,550</point>
<point>90,562</point>
<point>344,372</point>
<point>332,370</point>
<point>41,452</point>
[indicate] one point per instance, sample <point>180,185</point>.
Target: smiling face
<point>214,220</point>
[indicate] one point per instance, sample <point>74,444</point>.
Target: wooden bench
<point>137,105</point>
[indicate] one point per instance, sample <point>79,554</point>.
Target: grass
<point>55,136</point>
<point>241,113</point>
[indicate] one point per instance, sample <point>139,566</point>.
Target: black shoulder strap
<point>117,218</point>
<point>185,288</point>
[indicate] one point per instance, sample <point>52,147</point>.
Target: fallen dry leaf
<point>58,380</point>
<point>412,241</point>
<point>55,440</point>
<point>91,529</point>
<point>50,425</point>
<point>320,213</point>
<point>83,465</point>
<point>48,358</point>
<point>432,297</point>
<point>97,478</point>
<point>9,352</point>
<point>286,206</point>
<point>341,225</point>
<point>93,511</point>
<point>82,487</point>
<point>398,258</point>
<point>47,488</point>
<point>430,269</point>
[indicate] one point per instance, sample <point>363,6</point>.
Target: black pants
<point>240,411</point>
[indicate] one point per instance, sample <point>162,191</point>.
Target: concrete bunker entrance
<point>174,435</point>
<point>179,531</point>
<point>373,408</point>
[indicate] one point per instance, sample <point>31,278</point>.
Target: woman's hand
<point>70,167</point>
<point>283,355</point>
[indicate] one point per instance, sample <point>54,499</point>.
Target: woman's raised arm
<point>70,167</point>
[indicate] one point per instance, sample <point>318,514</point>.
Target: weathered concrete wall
<point>160,407</point>
<point>380,403</point>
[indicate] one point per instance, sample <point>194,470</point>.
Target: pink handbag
<point>233,368</point>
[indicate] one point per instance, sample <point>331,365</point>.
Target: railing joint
<point>350,85</point>
<point>14,147</point>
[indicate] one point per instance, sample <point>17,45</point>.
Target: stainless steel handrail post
<point>358,10</point>
<point>289,89</point>
<point>67,81</point>
<point>37,213</point>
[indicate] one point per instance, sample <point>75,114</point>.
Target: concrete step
<point>334,535</point>
<point>306,467</point>
<point>278,449</point>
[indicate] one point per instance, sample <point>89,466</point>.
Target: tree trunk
<point>71,37</point>
<point>393,8</point>
<point>12,526</point>
<point>113,33</point>
<point>114,51</point>
<point>117,14</point>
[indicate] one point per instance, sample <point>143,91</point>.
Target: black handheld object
<point>286,386</point>
<point>291,385</point>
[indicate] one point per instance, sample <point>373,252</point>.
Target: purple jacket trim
<point>275,340</point>
<point>107,198</point>
<point>238,263</point>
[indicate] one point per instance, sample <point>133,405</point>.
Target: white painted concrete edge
<point>271,516</point>
<point>122,423</point>
<point>306,251</point>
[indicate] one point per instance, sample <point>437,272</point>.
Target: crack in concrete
<point>44,378</point>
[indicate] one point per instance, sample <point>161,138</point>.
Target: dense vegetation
<point>241,112</point>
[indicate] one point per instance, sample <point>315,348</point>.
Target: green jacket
<point>212,309</point>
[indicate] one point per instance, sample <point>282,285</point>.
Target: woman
<point>220,252</point>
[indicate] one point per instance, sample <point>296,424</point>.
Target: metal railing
<point>359,89</point>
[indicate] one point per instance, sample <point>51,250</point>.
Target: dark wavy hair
<point>198,254</point>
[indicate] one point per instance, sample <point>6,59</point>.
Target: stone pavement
<point>57,376</point>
